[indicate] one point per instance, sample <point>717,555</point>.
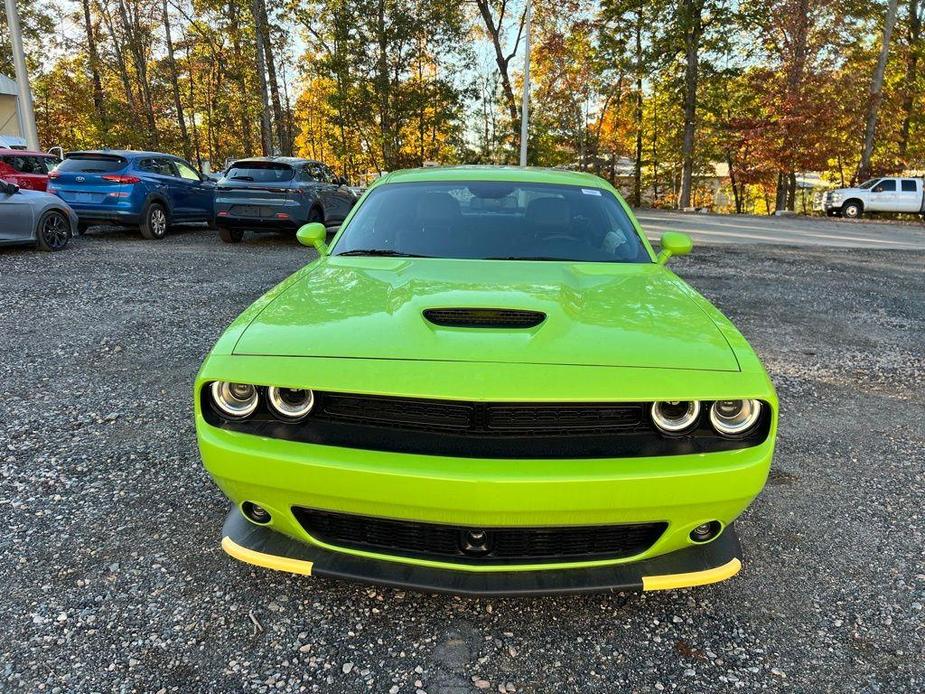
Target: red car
<point>28,170</point>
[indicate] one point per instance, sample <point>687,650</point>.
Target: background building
<point>11,130</point>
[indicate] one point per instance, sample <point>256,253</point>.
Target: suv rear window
<point>259,172</point>
<point>91,164</point>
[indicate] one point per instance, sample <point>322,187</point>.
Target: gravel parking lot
<point>113,579</point>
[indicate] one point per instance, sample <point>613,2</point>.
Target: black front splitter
<point>693,566</point>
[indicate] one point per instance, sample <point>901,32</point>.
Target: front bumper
<point>694,566</point>
<point>683,491</point>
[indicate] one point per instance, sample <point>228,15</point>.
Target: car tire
<point>832,213</point>
<point>230,235</point>
<point>53,231</point>
<point>154,222</point>
<point>852,210</point>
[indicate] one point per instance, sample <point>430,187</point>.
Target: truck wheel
<point>230,235</point>
<point>53,231</point>
<point>154,222</point>
<point>832,213</point>
<point>852,210</point>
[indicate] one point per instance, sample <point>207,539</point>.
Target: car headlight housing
<point>734,417</point>
<point>290,404</point>
<point>675,416</point>
<point>235,400</point>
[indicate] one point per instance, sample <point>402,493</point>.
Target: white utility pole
<point>525,107</point>
<point>26,111</point>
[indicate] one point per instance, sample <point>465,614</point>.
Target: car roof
<point>529,174</point>
<point>24,153</point>
<point>282,160</point>
<point>124,153</point>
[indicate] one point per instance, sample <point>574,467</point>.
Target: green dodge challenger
<point>490,383</point>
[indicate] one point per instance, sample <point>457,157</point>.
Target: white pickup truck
<point>890,194</point>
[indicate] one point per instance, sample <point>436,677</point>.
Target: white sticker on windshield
<point>590,191</point>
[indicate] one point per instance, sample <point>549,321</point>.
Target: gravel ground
<point>113,579</point>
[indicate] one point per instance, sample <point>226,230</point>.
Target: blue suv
<point>146,189</point>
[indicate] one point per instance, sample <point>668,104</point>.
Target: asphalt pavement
<point>788,231</point>
<point>113,579</point>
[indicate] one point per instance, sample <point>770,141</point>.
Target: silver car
<point>28,216</point>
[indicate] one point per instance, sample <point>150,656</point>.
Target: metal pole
<point>27,114</point>
<point>525,107</point>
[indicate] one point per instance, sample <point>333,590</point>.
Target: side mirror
<point>314,235</point>
<point>674,243</point>
<point>9,188</point>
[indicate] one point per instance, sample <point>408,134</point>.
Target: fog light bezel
<point>714,527</point>
<point>255,513</point>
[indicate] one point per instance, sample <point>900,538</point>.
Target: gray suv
<point>278,194</point>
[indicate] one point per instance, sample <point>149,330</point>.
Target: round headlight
<point>235,400</point>
<point>675,416</point>
<point>290,403</point>
<point>734,417</point>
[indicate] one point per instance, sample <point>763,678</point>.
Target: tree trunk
<point>693,31</point>
<point>637,166</point>
<point>120,62</point>
<point>99,104</point>
<point>503,62</point>
<point>279,119</point>
<point>383,86</point>
<point>175,80</point>
<point>192,100</point>
<point>876,90</point>
<point>793,95</point>
<point>246,131</point>
<point>912,74</point>
<point>736,195</point>
<point>266,131</point>
<point>137,50</point>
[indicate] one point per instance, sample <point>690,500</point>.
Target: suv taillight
<point>53,175</point>
<point>115,178</point>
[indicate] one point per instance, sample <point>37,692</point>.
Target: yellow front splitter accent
<point>692,578</point>
<point>649,583</point>
<point>267,561</point>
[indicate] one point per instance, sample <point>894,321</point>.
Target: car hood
<point>636,315</point>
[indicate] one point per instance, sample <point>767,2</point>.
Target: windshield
<point>868,184</point>
<point>496,220</point>
<point>259,172</point>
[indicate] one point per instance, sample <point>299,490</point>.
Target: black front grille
<point>497,546</point>
<point>482,419</point>
<point>484,317</point>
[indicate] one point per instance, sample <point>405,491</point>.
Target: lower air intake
<point>478,545</point>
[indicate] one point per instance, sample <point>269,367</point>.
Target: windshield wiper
<point>384,252</point>
<point>242,178</point>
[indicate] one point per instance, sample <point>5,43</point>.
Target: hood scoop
<point>484,317</point>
